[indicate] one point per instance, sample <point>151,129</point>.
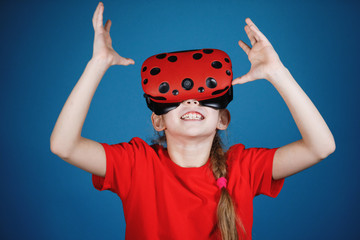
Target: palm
<point>261,58</point>
<point>103,45</point>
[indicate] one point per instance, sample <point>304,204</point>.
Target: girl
<point>191,189</point>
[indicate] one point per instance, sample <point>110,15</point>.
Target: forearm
<point>68,127</point>
<point>314,130</point>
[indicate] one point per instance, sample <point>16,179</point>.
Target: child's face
<point>192,120</point>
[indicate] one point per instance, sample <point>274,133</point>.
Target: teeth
<point>192,116</point>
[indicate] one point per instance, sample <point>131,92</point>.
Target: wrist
<point>277,73</point>
<point>101,62</point>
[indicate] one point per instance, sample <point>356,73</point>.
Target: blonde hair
<point>227,220</point>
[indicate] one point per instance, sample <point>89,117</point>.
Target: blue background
<point>46,45</point>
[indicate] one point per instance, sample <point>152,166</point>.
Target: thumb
<point>127,61</point>
<point>243,79</point>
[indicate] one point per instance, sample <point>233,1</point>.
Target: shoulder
<point>136,144</point>
<point>239,153</point>
<point>241,149</point>
<point>141,145</point>
<point>235,155</point>
<point>235,150</point>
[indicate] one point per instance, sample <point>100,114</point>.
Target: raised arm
<point>66,140</point>
<point>317,140</point>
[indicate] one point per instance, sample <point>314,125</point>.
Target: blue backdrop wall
<point>46,45</point>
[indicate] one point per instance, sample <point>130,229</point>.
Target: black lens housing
<point>216,103</point>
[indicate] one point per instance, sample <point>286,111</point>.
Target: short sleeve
<point>260,167</point>
<point>120,160</point>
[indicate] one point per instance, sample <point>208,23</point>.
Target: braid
<point>227,219</point>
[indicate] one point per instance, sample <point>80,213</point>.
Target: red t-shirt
<point>162,200</point>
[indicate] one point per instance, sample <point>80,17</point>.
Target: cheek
<point>169,118</point>
<point>215,122</point>
<point>213,114</point>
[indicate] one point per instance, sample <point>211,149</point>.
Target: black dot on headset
<point>172,59</point>
<point>145,81</point>
<point>201,89</point>
<point>216,64</point>
<point>187,83</point>
<point>208,51</point>
<point>155,71</point>
<point>144,69</point>
<point>197,56</point>
<point>164,87</point>
<point>227,60</point>
<point>228,72</point>
<point>211,82</point>
<point>175,92</point>
<point>161,56</point>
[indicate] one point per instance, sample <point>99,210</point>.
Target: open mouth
<point>192,116</point>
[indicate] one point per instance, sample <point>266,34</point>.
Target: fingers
<point>251,35</point>
<point>98,16</point>
<point>108,25</point>
<point>95,16</point>
<point>253,31</point>
<point>251,23</point>
<point>245,47</point>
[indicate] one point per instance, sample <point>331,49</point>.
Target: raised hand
<point>102,43</point>
<point>262,56</point>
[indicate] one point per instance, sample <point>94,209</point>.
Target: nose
<point>191,102</point>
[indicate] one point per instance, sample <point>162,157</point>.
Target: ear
<point>224,119</point>
<point>158,122</point>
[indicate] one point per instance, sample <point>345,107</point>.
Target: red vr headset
<point>168,79</point>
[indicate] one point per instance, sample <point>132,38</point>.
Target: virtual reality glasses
<point>205,75</point>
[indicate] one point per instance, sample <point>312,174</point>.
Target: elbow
<point>62,148</point>
<point>58,150</point>
<point>53,146</point>
<point>329,149</point>
<point>55,149</point>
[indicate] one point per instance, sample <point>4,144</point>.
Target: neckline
<point>185,170</point>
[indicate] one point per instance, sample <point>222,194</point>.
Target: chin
<point>193,132</point>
